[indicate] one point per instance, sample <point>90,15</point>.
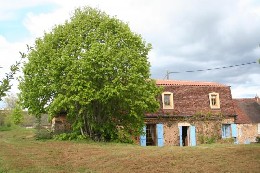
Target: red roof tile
<point>190,83</point>
<point>247,110</point>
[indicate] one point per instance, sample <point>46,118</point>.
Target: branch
<point>5,82</point>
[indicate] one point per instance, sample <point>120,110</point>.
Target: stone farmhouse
<point>248,119</point>
<point>192,112</point>
<point>189,113</point>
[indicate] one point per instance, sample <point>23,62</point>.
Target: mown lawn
<point>20,152</point>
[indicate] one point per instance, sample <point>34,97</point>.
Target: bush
<point>3,117</point>
<point>17,115</point>
<point>43,133</point>
<point>5,128</point>
<point>227,141</point>
<point>207,139</point>
<point>257,139</point>
<point>69,136</point>
<point>124,137</point>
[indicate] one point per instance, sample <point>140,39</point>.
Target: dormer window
<point>214,100</point>
<point>167,99</point>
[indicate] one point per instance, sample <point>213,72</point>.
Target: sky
<point>186,35</point>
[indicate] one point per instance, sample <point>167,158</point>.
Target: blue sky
<point>13,28</point>
<point>186,35</point>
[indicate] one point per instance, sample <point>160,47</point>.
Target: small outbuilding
<point>248,119</point>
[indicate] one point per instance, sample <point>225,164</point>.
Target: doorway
<point>150,134</point>
<point>185,136</point>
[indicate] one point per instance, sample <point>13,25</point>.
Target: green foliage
<point>257,139</point>
<point>227,141</point>
<point>207,139</point>
<point>69,136</point>
<point>5,118</point>
<point>3,114</point>
<point>42,134</point>
<point>17,115</point>
<point>13,111</point>
<point>96,70</point>
<point>5,82</point>
<point>5,128</point>
<point>124,136</point>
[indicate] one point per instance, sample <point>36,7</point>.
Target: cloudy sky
<point>187,35</point>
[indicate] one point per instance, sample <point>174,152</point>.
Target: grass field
<point>20,152</point>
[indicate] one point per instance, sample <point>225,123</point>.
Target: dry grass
<point>19,152</point>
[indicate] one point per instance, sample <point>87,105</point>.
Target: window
<point>226,130</point>
<point>167,99</point>
<point>258,128</point>
<point>214,100</point>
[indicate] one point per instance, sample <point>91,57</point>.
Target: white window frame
<point>258,128</point>
<point>171,106</point>
<point>217,105</point>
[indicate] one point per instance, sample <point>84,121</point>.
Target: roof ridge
<point>186,82</point>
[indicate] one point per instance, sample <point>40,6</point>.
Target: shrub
<point>5,128</point>
<point>69,136</point>
<point>257,139</point>
<point>227,141</point>
<point>17,115</point>
<point>124,137</point>
<point>43,133</point>
<point>207,139</point>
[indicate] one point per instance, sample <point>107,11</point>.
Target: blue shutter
<point>180,130</point>
<point>159,128</point>
<point>234,130</point>
<point>223,131</point>
<point>143,137</point>
<point>192,136</point>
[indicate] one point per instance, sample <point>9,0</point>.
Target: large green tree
<point>96,70</point>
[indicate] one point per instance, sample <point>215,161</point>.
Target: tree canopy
<point>94,68</point>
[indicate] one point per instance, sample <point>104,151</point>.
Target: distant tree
<point>10,101</point>
<point>17,114</point>
<point>94,69</point>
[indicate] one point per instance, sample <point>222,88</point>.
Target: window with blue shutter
<point>226,130</point>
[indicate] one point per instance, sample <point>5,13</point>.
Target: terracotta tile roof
<point>247,110</point>
<point>190,83</point>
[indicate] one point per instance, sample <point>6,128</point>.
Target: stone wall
<point>171,134</point>
<point>247,133</point>
<point>60,124</point>
<point>207,128</point>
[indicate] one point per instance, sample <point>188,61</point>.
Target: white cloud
<point>186,35</point>
<point>9,53</point>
